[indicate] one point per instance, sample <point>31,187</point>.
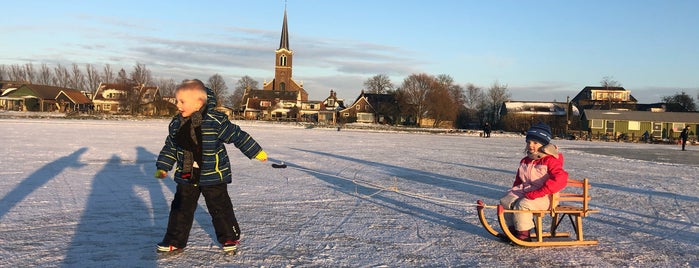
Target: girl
<point>539,175</point>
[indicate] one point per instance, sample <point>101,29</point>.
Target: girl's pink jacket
<point>540,177</point>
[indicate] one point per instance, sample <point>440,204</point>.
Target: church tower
<point>283,67</point>
<point>284,60</point>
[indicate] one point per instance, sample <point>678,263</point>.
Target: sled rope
<point>406,193</point>
<point>381,188</point>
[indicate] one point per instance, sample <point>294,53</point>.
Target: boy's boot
<point>230,245</point>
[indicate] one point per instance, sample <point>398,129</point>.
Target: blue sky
<point>542,50</point>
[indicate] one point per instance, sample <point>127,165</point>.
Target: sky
<point>541,50</point>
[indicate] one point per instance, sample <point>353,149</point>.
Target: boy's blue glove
<point>160,174</point>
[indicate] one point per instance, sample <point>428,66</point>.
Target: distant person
<point>486,130</point>
<point>645,137</point>
<point>684,135</point>
<point>196,143</point>
<point>540,174</point>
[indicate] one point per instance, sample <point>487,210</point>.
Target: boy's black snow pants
<point>185,203</point>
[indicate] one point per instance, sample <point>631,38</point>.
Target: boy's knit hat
<point>539,132</point>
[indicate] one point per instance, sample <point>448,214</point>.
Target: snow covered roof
<point>540,108</point>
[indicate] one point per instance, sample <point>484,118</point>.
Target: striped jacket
<point>216,131</point>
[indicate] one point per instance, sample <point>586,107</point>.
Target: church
<point>285,99</point>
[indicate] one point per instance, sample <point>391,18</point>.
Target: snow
<point>80,193</point>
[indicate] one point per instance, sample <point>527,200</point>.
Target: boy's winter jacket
<point>216,131</point>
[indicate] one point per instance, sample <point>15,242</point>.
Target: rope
<point>392,188</point>
<point>395,189</point>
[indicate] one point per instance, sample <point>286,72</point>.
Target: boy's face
<point>188,102</point>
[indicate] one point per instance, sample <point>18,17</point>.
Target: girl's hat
<point>539,132</point>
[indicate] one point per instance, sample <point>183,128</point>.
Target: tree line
<point>419,96</point>
<point>442,100</point>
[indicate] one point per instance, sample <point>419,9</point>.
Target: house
<point>330,109</point>
<point>518,116</point>
<point>605,98</point>
<point>372,108</point>
<point>43,98</point>
<point>271,105</point>
<point>6,104</point>
<point>73,101</point>
<point>126,97</point>
<point>632,124</point>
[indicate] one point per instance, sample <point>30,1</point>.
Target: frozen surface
<point>80,193</point>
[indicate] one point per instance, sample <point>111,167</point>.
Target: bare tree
<point>3,72</point>
<point>497,96</point>
<point>379,84</point>
<point>122,78</point>
<point>166,87</point>
<point>29,72</point>
<point>441,106</point>
<point>456,92</point>
<point>608,81</point>
<point>45,76</point>
<point>415,89</point>
<point>92,78</point>
<point>107,74</point>
<point>474,96</point>
<point>77,81</point>
<point>17,73</point>
<point>218,86</point>
<point>244,84</point>
<point>141,75</point>
<point>61,76</point>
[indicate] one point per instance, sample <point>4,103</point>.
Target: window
<point>634,125</point>
<point>107,107</point>
<point>265,104</point>
<point>610,127</point>
<point>365,117</point>
<point>597,123</point>
<point>677,127</point>
<point>282,60</point>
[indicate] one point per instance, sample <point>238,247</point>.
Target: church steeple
<point>284,41</point>
<point>283,68</point>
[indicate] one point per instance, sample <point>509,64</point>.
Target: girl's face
<point>533,146</point>
<point>188,102</point>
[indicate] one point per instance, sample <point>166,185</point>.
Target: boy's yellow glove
<point>262,156</point>
<point>160,174</point>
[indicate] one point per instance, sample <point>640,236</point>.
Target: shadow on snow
<point>118,220</point>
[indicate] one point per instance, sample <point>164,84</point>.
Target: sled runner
<point>575,212</point>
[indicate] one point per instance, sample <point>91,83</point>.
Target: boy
<point>196,143</point>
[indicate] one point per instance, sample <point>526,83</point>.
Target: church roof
<point>284,41</point>
<point>273,94</point>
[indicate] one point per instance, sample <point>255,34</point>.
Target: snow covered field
<point>80,193</point>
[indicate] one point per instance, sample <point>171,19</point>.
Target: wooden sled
<point>580,196</point>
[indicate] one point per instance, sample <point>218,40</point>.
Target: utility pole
<point>567,114</point>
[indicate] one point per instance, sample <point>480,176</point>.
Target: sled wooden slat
<point>576,196</point>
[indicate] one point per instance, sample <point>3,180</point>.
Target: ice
<point>80,193</point>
